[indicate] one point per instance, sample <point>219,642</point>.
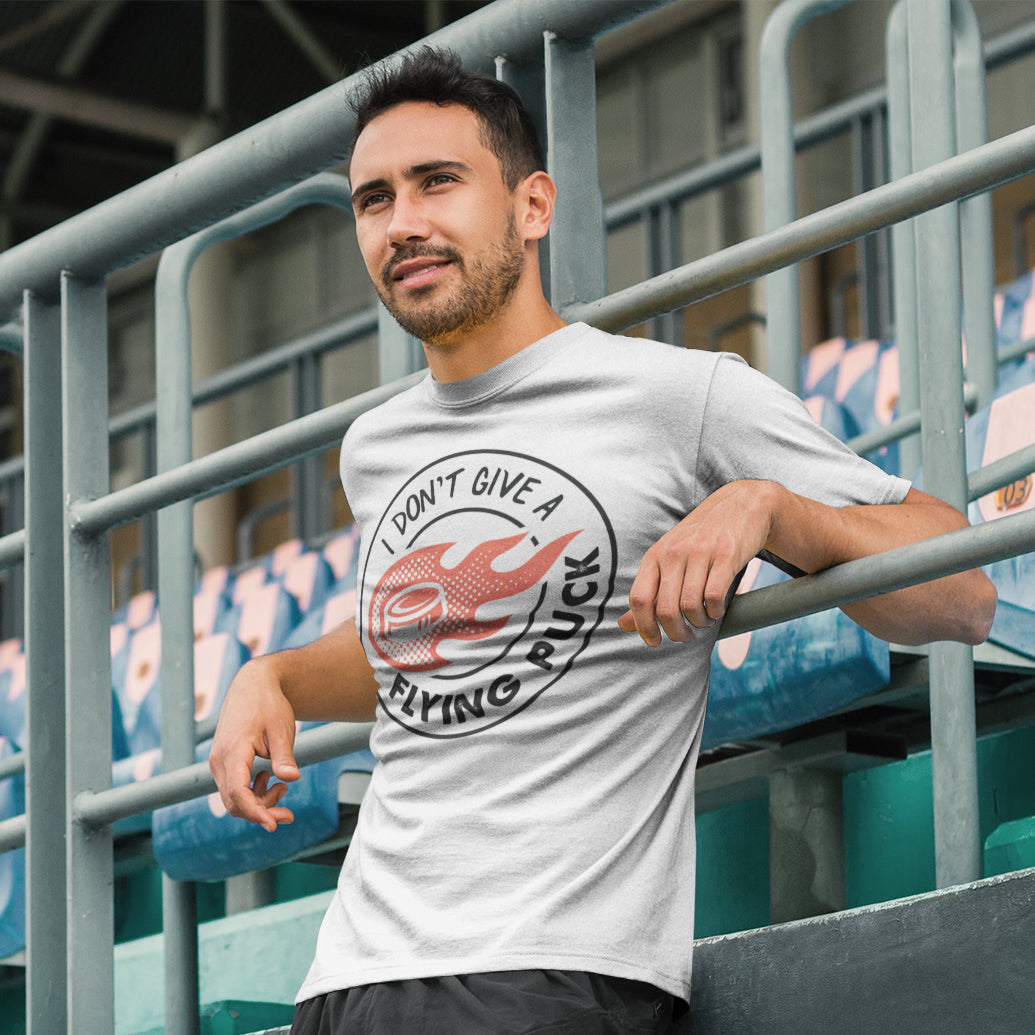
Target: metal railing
<point>58,280</point>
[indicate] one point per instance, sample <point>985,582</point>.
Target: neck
<point>472,351</point>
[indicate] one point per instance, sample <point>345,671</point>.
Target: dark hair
<point>437,77</point>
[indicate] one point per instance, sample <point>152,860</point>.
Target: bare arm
<point>689,571</point>
<point>328,680</point>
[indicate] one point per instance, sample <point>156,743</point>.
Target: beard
<point>487,285</point>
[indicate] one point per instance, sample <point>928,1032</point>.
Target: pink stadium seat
<point>308,578</point>
<point>340,552</point>
<point>263,619</point>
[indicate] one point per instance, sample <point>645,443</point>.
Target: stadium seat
<point>863,378</point>
<point>262,618</point>
<point>12,864</point>
<point>342,551</point>
<point>141,609</point>
<point>1015,311</point>
<point>134,674</point>
<point>308,578</point>
<point>12,693</point>
<point>830,415</point>
<point>996,431</point>
<point>216,661</point>
<point>279,558</point>
<point>198,840</point>
<point>336,609</point>
<point>784,675</point>
<point>209,607</point>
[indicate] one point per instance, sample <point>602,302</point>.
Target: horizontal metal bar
<point>252,371</point>
<point>288,147</point>
<point>901,427</point>
<point>856,580</point>
<point>13,765</point>
<point>234,465</point>
<point>94,809</point>
<point>882,573</point>
<point>982,168</point>
<point>12,833</point>
<point>1001,472</point>
<point>12,549</point>
<point>116,114</point>
<point>1017,351</point>
<point>808,132</point>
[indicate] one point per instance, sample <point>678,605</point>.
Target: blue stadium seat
<point>308,578</point>
<point>12,864</point>
<point>12,692</point>
<point>198,840</point>
<point>141,609</point>
<point>262,618</point>
<point>134,674</point>
<point>830,415</point>
<point>217,659</point>
<point>342,553</point>
<point>862,377</point>
<point>1004,426</point>
<point>1015,311</point>
<point>784,675</point>
<point>338,608</point>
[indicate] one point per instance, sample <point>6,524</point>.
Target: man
<point>525,853</point>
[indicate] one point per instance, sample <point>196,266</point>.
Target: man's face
<point>435,222</point>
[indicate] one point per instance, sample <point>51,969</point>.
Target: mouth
<point>413,273</point>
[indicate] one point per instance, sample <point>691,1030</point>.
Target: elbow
<point>981,611</point>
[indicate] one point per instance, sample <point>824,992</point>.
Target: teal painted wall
<point>889,834</point>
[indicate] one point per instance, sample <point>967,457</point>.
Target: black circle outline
<point>362,583</point>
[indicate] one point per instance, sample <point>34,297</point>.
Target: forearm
<point>813,536</point>
<point>329,680</point>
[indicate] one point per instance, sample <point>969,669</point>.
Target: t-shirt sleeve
<point>753,428</point>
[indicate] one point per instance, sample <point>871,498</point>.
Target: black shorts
<point>520,1002</point>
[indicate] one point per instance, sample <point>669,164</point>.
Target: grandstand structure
<point>866,811</point>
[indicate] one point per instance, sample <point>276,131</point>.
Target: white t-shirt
<point>533,802</point>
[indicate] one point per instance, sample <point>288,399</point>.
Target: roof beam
<point>61,100</point>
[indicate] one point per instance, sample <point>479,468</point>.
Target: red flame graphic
<point>419,603</point>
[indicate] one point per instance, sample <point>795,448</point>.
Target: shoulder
<point>645,359</point>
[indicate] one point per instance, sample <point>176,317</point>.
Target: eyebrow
<point>421,169</point>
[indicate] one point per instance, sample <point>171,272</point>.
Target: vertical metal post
<point>903,238</point>
<point>307,475</point>
<point>783,313</point>
<point>576,239</point>
<point>528,81</point>
<point>46,806</point>
<point>90,916</point>
<point>664,249</point>
<point>978,254</point>
<point>865,176</point>
<point>174,411</point>
<point>953,726</point>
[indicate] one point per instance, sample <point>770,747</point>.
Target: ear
<point>537,193</point>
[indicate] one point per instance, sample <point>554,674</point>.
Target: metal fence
<point>58,280</point>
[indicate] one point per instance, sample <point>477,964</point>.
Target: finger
<point>279,750</point>
<point>642,598</point>
<point>239,797</point>
<point>679,579</point>
<point>269,796</point>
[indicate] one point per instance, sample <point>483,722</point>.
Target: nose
<point>408,223</point>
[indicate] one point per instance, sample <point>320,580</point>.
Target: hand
<point>256,720</point>
<point>685,577</point>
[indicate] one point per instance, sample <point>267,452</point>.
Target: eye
<point>440,179</point>
<point>371,200</point>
